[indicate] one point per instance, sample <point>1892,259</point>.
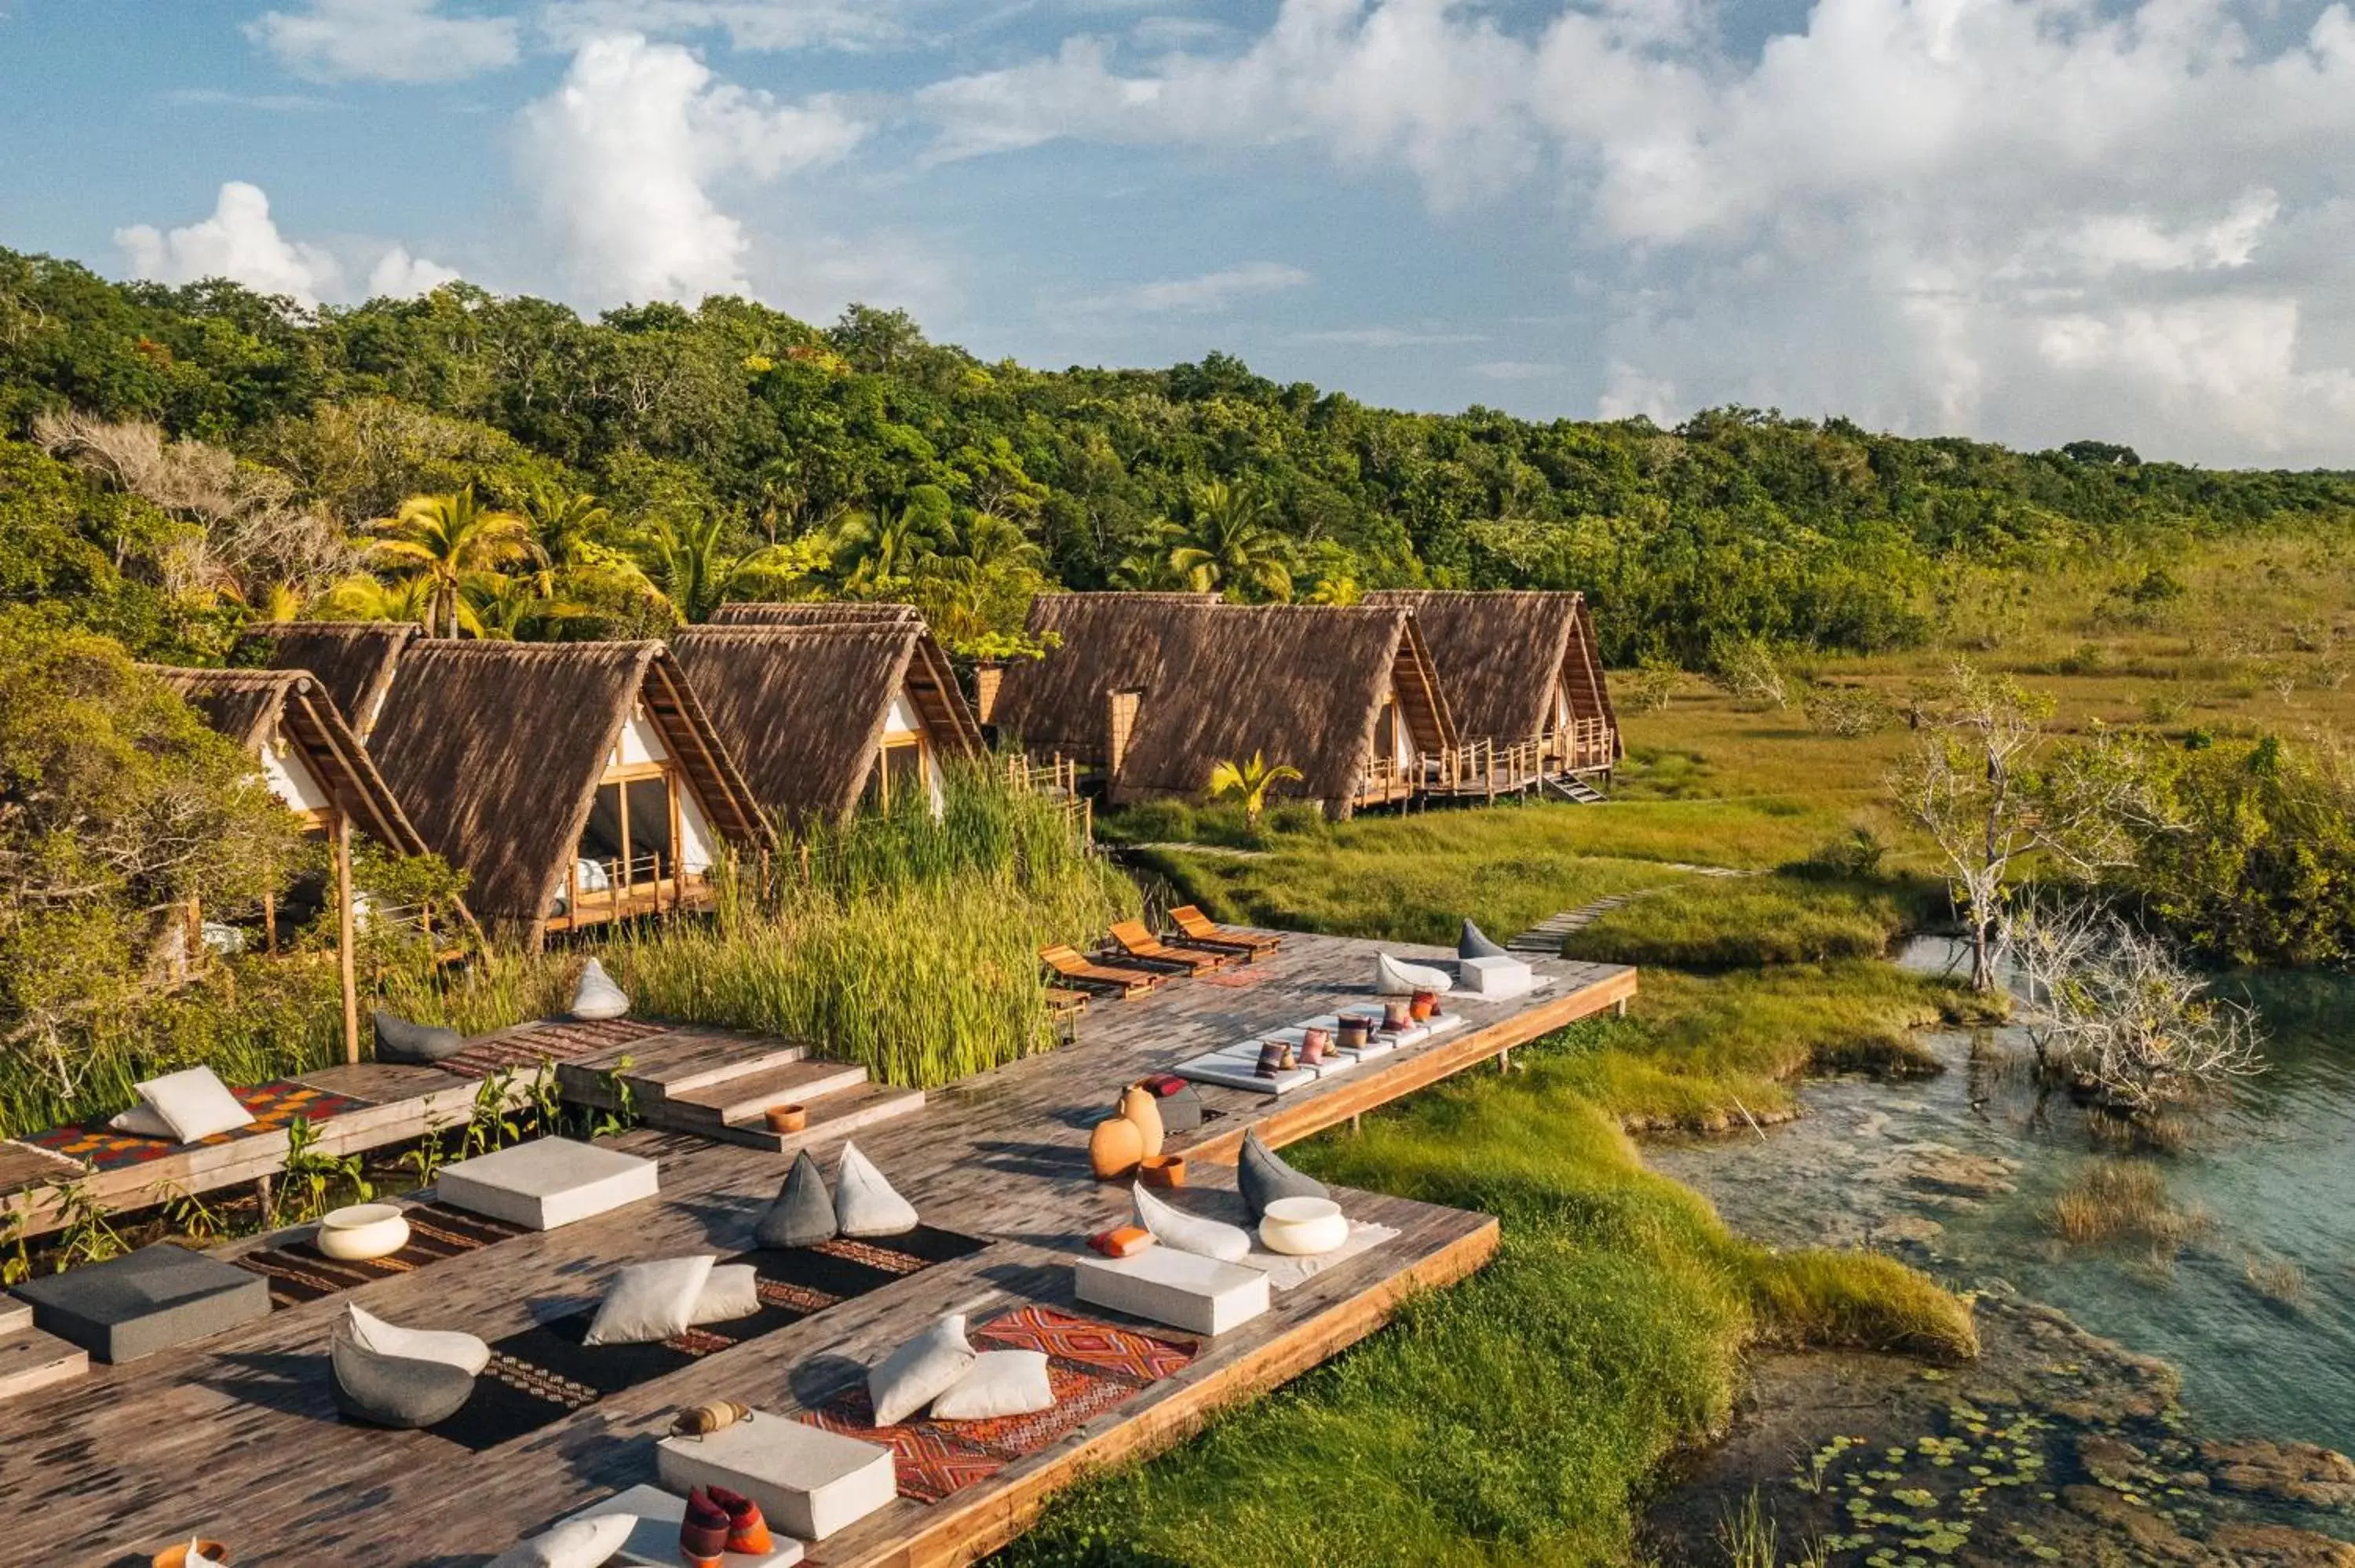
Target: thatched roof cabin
<point>574,782</point>
<point>1106,643</point>
<point>353,659</point>
<point>822,716</point>
<point>811,613</point>
<point>1521,668</point>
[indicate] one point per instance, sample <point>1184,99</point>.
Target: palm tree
<point>565,525</point>
<point>515,609</point>
<point>878,550</point>
<point>1228,543</point>
<point>1251,780</point>
<point>444,539</point>
<point>373,599</point>
<point>690,565</point>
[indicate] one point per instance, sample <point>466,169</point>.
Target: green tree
<point>444,539</point>
<point>1229,544</point>
<point>696,569</point>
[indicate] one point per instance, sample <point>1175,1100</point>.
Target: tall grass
<point>1715,923</point>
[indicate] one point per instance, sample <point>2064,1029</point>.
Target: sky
<point>2033,221</point>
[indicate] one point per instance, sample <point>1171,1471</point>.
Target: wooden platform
<point>237,1437</point>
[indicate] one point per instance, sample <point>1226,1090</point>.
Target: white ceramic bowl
<point>363,1231</point>
<point>1304,1226</point>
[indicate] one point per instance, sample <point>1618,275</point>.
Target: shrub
<point>1845,711</point>
<point>1854,857</point>
<point>1651,685</point>
<point>1745,668</point>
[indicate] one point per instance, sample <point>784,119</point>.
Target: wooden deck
<point>237,1437</point>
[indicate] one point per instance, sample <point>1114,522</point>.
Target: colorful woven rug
<point>273,1105</point>
<point>1092,1367</point>
<point>300,1272</point>
<point>546,1372</point>
<point>562,1042</point>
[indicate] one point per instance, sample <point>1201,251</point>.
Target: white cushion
<point>192,1104</point>
<point>654,1543</point>
<point>1395,977</point>
<point>920,1372</point>
<point>575,1543</point>
<point>597,996</point>
<point>141,1122</point>
<point>1496,977</point>
<point>1199,1295</point>
<point>733,1291</point>
<point>1174,1227</point>
<point>548,1183</point>
<point>651,1301</point>
<point>864,1204</point>
<point>448,1346</point>
<point>999,1382</point>
<point>809,1482</point>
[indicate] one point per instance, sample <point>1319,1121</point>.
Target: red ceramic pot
<point>1423,1004</point>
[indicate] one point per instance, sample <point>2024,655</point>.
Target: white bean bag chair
<point>1175,1228</point>
<point>1394,977</point>
<point>864,1204</point>
<point>597,996</point>
<point>448,1346</point>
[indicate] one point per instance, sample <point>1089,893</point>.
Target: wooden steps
<point>715,1084</point>
<point>30,1359</point>
<point>744,1096</point>
<point>836,1114</point>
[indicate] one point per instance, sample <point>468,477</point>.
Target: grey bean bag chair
<point>1262,1178</point>
<point>414,1045</point>
<point>395,1391</point>
<point>1474,943</point>
<point>802,1215</point>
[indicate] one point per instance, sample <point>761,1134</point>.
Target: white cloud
<point>398,275</point>
<point>385,41</point>
<point>749,24</point>
<point>2032,219</point>
<point>1209,291</point>
<point>624,157</point>
<point>239,241</point>
<point>1384,337</point>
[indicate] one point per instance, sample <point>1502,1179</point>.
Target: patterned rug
<point>300,1272</point>
<point>273,1105</point>
<point>545,1373</point>
<point>1092,1367</point>
<point>560,1042</point>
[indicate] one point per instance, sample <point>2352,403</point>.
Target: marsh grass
<point>1724,923</point>
<point>2113,1201</point>
<point>2278,1279</point>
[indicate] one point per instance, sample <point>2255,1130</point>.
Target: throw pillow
<point>999,1382</point>
<point>1474,943</point>
<point>864,1204</point>
<point>802,1214</point>
<point>414,1045</point>
<point>597,996</point>
<point>394,1390</point>
<point>920,1372</point>
<point>1394,977</point>
<point>651,1301</point>
<point>194,1104</point>
<point>1262,1178</point>
<point>448,1346</point>
<point>733,1291</point>
<point>141,1122</point>
<point>1174,1227</point>
<point>575,1543</point>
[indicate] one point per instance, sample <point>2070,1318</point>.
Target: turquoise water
<point>2273,1172</point>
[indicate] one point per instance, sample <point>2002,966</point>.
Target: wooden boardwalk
<point>238,1439</point>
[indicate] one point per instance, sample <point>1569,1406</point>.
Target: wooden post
<point>344,963</point>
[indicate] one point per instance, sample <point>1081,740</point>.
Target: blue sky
<point>2034,220</point>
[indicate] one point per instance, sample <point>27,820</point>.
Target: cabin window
<point>1386,731</point>
<point>630,824</point>
<point>899,774</point>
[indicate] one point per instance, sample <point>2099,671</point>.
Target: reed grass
<point>2114,1201</point>
<point>1718,924</point>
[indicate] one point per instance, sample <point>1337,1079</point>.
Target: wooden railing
<point>639,886</point>
<point>1057,779</point>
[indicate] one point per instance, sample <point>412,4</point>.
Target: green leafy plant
<point>312,1174</point>
<point>1249,782</point>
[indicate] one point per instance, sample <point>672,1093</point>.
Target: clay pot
<point>1423,1004</point>
<point>1397,1015</point>
<point>1139,1106</point>
<point>1354,1031</point>
<point>1167,1171</point>
<point>787,1119</point>
<point>177,1556</point>
<point>1313,1043</point>
<point>1115,1147</point>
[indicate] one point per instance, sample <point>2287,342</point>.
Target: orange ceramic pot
<point>1163,1170</point>
<point>787,1118</point>
<point>1115,1147</point>
<point>177,1556</point>
<point>1139,1106</point>
<point>1423,1004</point>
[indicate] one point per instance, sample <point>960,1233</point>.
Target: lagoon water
<point>2273,1173</point>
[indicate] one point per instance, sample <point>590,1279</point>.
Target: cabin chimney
<point>986,678</point>
<point>1120,724</point>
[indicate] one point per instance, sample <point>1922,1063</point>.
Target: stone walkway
<point>1545,938</point>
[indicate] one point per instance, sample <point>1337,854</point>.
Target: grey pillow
<point>802,1215</point>
<point>1262,1178</point>
<point>1474,943</point>
<point>417,1044</point>
<point>395,1391</point>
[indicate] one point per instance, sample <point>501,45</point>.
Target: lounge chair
<point>1205,932</point>
<point>1136,941</point>
<point>1123,983</point>
<point>1064,1002</point>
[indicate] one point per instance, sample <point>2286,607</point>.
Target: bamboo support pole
<point>346,972</point>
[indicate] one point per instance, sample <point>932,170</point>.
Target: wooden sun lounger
<point>1064,1002</point>
<point>1124,982</point>
<point>1136,941</point>
<point>1205,932</point>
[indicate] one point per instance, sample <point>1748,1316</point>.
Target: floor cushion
<point>575,1543</point>
<point>864,1204</point>
<point>597,997</point>
<point>802,1214</point>
<point>399,1392</point>
<point>999,1382</point>
<point>649,1301</point>
<point>1395,977</point>
<point>654,1540</point>
<point>415,1044</point>
<point>810,1482</point>
<point>1183,1290</point>
<point>732,1291</point>
<point>1262,1178</point>
<point>920,1372</point>
<point>1174,1227</point>
<point>193,1103</point>
<point>448,1346</point>
<point>548,1183</point>
<point>153,1299</point>
<point>1474,943</point>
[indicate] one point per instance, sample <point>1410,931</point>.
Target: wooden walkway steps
<point>1544,939</point>
<point>717,1083</point>
<point>30,1360</point>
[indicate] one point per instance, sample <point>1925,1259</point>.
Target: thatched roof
<point>813,613</point>
<point>354,659</point>
<point>497,747</point>
<point>256,707</point>
<point>1501,654</point>
<point>1303,685</point>
<point>1110,642</point>
<point>804,707</point>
